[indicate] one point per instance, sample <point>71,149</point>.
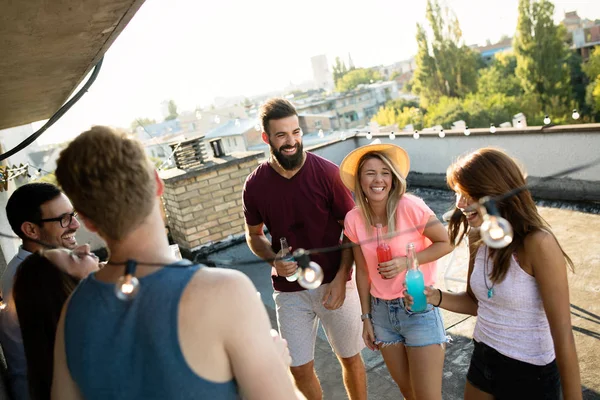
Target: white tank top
<point>512,320</point>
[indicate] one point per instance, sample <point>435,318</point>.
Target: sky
<point>193,51</point>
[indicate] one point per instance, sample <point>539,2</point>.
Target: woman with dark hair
<point>523,339</point>
<point>43,282</point>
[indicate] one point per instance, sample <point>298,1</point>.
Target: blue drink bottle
<point>415,284</point>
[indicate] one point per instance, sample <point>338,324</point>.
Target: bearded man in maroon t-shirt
<point>300,196</point>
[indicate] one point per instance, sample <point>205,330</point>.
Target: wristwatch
<point>365,316</point>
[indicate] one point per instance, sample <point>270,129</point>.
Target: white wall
<point>542,154</point>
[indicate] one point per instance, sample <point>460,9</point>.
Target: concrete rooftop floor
<point>571,228</point>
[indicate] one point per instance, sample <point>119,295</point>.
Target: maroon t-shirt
<point>305,209</point>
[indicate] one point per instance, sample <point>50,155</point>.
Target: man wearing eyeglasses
<point>42,216</point>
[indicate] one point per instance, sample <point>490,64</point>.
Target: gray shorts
<point>298,315</point>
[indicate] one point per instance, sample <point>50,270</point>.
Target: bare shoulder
<point>543,253</point>
<point>539,240</point>
<point>216,282</point>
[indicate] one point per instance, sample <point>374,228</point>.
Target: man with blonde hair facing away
<point>179,337</point>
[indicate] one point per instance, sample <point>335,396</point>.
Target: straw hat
<point>396,154</point>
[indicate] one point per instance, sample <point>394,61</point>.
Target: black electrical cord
<point>487,202</point>
<point>57,115</point>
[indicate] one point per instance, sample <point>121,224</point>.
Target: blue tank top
<point>130,349</point>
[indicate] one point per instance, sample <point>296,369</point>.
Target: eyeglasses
<point>65,219</point>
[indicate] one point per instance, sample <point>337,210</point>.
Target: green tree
<point>339,70</point>
<point>48,178</point>
<point>400,112</point>
<point>445,65</point>
<point>591,68</point>
<point>478,111</point>
<point>578,82</point>
<point>499,77</point>
<point>542,55</point>
<point>355,77</point>
<point>172,110</point>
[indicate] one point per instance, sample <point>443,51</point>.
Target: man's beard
<point>288,163</point>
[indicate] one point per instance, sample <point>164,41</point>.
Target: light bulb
<point>217,119</point>
<point>392,136</point>
<point>442,133</point>
<point>237,122</point>
<point>127,287</point>
<point>492,128</point>
<point>547,120</point>
<point>257,127</point>
<point>311,276</point>
<point>575,114</point>
<point>369,136</point>
<point>496,232</point>
<point>321,134</point>
<point>2,304</point>
<point>416,135</point>
<point>343,136</point>
<point>467,131</point>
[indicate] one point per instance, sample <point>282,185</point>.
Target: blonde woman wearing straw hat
<point>412,344</point>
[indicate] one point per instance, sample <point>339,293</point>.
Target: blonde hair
<point>398,189</point>
<point>109,179</point>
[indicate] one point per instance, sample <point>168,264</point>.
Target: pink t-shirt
<point>412,213</point>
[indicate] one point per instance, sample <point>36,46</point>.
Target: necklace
<point>490,290</point>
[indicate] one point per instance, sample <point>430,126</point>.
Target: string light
<point>492,128</point>
<point>442,134</point>
<point>2,304</point>
<point>311,273</point>
<point>369,136</point>
<point>547,120</point>
<point>496,232</point>
<point>416,135</point>
<point>321,134</point>
<point>311,276</point>
<point>575,114</point>
<point>392,136</point>
<point>128,285</point>
<point>467,131</point>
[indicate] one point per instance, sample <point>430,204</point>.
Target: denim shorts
<point>507,378</point>
<point>393,323</point>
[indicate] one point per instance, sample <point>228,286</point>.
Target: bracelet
<point>365,316</point>
<point>440,302</point>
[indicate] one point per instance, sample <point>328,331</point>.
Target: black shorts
<point>507,378</point>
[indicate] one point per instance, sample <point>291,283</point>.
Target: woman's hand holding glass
<point>392,268</point>
<point>431,294</point>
